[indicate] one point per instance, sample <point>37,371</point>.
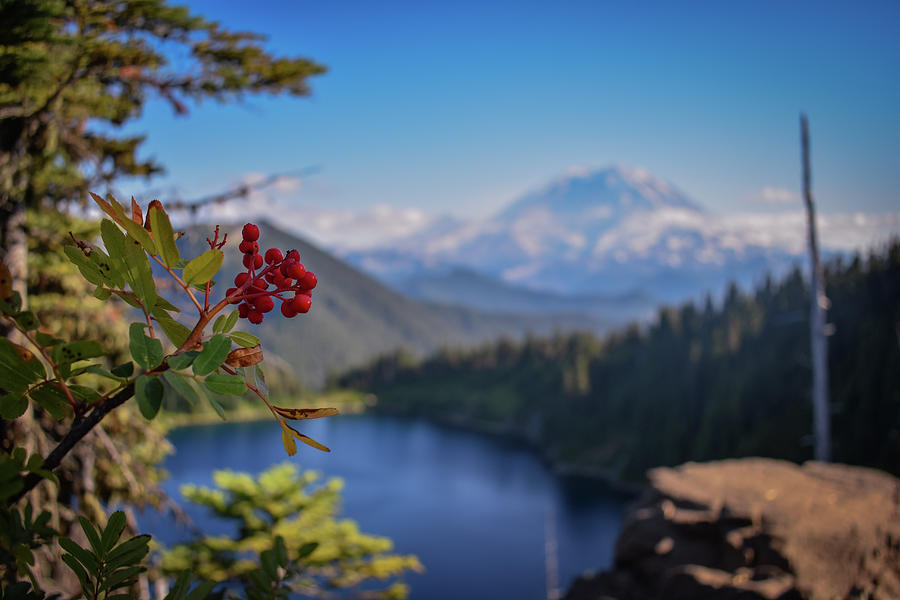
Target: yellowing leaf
<point>290,446</point>
<point>305,413</point>
<point>306,439</point>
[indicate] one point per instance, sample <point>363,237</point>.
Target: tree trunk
<point>819,303</point>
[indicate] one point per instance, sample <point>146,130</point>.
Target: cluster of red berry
<point>286,273</point>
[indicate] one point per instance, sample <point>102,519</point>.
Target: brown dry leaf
<point>245,357</point>
<point>136,215</point>
<point>5,282</point>
<point>305,413</point>
<point>305,438</point>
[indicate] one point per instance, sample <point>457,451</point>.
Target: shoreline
<point>347,403</point>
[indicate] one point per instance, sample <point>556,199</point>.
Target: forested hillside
<point>354,318</point>
<point>702,382</point>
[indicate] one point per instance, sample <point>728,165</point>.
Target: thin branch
<point>180,281</point>
<point>80,428</point>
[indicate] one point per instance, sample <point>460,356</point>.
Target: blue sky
<point>460,107</point>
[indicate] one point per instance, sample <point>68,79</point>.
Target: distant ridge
<point>354,318</point>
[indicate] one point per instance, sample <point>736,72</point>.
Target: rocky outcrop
<point>757,529</point>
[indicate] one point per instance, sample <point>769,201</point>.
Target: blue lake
<point>474,508</point>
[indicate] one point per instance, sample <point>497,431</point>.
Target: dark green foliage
<point>106,566</point>
<point>67,66</point>
<point>700,383</point>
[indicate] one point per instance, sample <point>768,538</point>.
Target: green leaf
<point>98,370</point>
<point>231,321</point>
<point>133,556</point>
<point>122,578</point>
<point>242,338</point>
<point>260,380</point>
<point>12,406</point>
<point>201,590</point>
<point>165,237</point>
<point>102,293</point>
<point>183,360</point>
<point>137,544</point>
<point>17,373</point>
<point>27,320</point>
<point>181,386</point>
<point>214,353</point>
<point>108,270</point>
<point>136,231</point>
<point>231,385</point>
<point>202,268</point>
<point>88,270</point>
<point>149,393</point>
<point>90,562</point>
<point>146,351</point>
<point>217,406</point>
<point>46,340</point>
<point>166,305</point>
<point>128,298</point>
<point>306,549</point>
<point>75,351</point>
<point>140,274</point>
<point>93,536</point>
<point>51,398</point>
<point>84,394</point>
<point>124,370</point>
<point>114,527</point>
<point>79,571</point>
<point>114,240</point>
<point>175,331</point>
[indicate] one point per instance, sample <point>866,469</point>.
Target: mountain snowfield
<point>590,238</point>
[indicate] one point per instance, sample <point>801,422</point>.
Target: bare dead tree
<point>819,304</point>
<point>240,192</point>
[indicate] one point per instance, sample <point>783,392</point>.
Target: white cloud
<point>775,195</point>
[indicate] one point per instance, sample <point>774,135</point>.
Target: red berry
<point>231,291</point>
<point>293,255</point>
<point>296,270</point>
<point>253,261</point>
<point>255,317</point>
<point>274,256</point>
<point>264,304</point>
<point>248,247</point>
<point>241,278</point>
<point>309,281</point>
<point>286,265</point>
<point>259,284</point>
<point>243,310</point>
<point>287,309</point>
<point>250,232</point>
<point>301,303</point>
<point>275,277</point>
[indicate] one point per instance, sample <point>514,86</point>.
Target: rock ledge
<point>757,529</point>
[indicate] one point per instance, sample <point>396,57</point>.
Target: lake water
<point>474,508</point>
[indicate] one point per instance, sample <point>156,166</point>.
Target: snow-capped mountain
<point>600,233</point>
